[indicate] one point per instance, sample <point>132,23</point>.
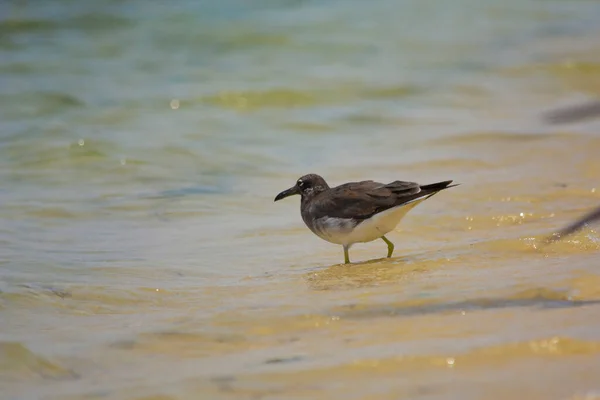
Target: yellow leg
<point>346,256</point>
<point>390,246</point>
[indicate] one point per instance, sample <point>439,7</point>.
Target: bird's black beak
<point>287,193</point>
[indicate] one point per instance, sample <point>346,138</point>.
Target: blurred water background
<point>142,143</point>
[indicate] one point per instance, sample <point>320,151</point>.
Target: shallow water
<point>142,144</point>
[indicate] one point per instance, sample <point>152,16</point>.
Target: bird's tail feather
<point>427,191</point>
<point>438,186</point>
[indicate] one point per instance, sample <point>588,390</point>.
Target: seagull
<point>357,212</point>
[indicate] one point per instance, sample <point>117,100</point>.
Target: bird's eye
<point>300,183</point>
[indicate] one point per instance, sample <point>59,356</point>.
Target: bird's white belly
<point>339,230</point>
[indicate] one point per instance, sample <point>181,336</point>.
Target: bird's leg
<point>346,257</point>
<point>390,246</point>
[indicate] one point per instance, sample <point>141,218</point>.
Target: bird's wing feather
<point>401,188</point>
<point>361,200</point>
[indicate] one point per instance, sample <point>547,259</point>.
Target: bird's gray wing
<point>361,200</point>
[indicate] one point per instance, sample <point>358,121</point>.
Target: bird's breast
<point>334,230</point>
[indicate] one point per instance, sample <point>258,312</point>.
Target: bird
<point>357,212</point>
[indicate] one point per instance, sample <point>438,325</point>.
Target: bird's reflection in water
<point>376,272</point>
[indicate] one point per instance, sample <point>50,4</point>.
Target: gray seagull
<point>357,212</point>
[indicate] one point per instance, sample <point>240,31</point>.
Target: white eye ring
<point>300,182</point>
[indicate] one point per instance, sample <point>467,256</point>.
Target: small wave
<point>536,297</point>
<point>17,361</point>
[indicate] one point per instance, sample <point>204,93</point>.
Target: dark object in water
<point>573,113</point>
<point>563,116</point>
<point>575,226</point>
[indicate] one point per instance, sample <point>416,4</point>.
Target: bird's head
<point>307,187</point>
